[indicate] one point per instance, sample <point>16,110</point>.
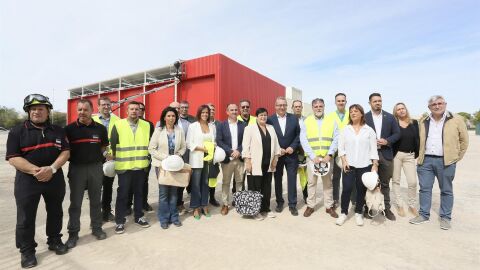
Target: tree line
<point>10,117</point>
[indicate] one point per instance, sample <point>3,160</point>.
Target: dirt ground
<point>285,242</point>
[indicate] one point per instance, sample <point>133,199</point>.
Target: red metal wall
<point>215,78</point>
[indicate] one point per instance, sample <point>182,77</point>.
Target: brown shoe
<point>401,211</point>
<point>224,210</point>
<point>308,212</point>
<point>413,211</point>
<point>332,212</point>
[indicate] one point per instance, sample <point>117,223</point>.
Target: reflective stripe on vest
<point>132,151</point>
<point>251,121</point>
<point>319,142</point>
<point>340,123</point>
<point>113,119</point>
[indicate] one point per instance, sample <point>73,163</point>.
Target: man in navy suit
<point>388,132</point>
<point>229,138</point>
<point>288,130</point>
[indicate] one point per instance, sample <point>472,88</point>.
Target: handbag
<point>177,179</point>
<point>247,202</point>
<point>374,200</point>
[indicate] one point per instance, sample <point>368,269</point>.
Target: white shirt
<point>434,144</point>
<point>360,149</point>
<point>234,132</point>
<point>377,122</point>
<point>282,121</point>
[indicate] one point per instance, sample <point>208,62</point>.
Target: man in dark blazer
<point>229,138</point>
<point>288,130</point>
<point>388,132</point>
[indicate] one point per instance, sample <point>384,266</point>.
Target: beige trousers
<point>312,186</point>
<point>407,162</point>
<point>234,167</point>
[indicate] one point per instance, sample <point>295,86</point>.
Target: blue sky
<point>406,50</point>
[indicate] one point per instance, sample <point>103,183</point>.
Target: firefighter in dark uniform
<point>38,150</point>
<point>88,141</point>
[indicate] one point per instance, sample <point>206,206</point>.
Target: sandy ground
<point>286,242</point>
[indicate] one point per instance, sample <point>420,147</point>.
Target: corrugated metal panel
<point>156,102</point>
<point>240,82</point>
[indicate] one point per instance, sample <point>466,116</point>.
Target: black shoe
<point>164,226</point>
<point>28,260</point>
<point>389,215</point>
<point>72,240</point>
<point>99,234</point>
<point>279,208</point>
<point>129,211</point>
<point>58,247</point>
<point>120,228</point>
<point>293,211</point>
<point>177,223</point>
<point>108,216</point>
<point>214,202</point>
<point>148,208</point>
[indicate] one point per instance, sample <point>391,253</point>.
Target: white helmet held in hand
<point>109,168</point>
<point>219,155</point>
<point>173,163</point>
<point>370,180</point>
<point>321,169</point>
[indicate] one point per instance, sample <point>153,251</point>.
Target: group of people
<point>257,147</point>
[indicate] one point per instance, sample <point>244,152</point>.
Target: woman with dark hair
<point>357,148</point>
<point>168,139</point>
<point>260,152</point>
<point>405,152</point>
<point>199,134</point>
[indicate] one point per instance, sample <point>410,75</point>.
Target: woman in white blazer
<point>198,133</point>
<point>260,152</point>
<point>168,139</point>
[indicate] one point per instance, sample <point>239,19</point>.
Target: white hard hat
<point>370,180</point>
<point>219,155</point>
<point>109,168</point>
<point>321,169</point>
<point>173,163</point>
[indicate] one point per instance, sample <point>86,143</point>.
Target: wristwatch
<point>53,169</point>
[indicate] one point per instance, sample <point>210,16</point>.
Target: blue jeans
<point>199,182</point>
<point>433,167</point>
<point>167,204</point>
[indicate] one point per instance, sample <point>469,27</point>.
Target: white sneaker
<point>270,215</point>
<point>359,219</point>
<point>258,217</point>
<point>341,219</point>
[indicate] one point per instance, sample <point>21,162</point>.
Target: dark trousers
<point>81,177</point>
<point>337,174</point>
<point>126,180</point>
<point>385,172</point>
<point>27,191</point>
<point>199,191</point>
<point>353,178</point>
<point>263,184</point>
<point>145,190</point>
<point>290,162</point>
<point>107,186</point>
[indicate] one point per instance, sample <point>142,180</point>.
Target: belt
<point>433,156</point>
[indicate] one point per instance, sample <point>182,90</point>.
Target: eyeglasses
<point>245,107</point>
<point>437,104</point>
<point>281,105</point>
<point>183,107</point>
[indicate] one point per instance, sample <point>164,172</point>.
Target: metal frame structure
<point>172,73</point>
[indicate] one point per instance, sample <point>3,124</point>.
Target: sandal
<point>196,214</point>
<point>206,212</point>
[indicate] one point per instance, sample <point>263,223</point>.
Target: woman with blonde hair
<point>405,151</point>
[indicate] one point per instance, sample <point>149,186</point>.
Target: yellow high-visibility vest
<point>132,149</point>
<point>340,123</point>
<point>113,119</point>
<point>319,141</point>
<point>252,121</point>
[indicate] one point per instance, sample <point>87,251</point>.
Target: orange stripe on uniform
<point>86,140</point>
<point>39,146</point>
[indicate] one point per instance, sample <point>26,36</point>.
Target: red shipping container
<point>215,78</point>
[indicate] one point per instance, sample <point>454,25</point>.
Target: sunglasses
<point>245,107</point>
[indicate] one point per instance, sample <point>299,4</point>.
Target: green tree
<point>465,115</point>
<point>476,117</point>
<point>59,118</point>
<point>9,117</point>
